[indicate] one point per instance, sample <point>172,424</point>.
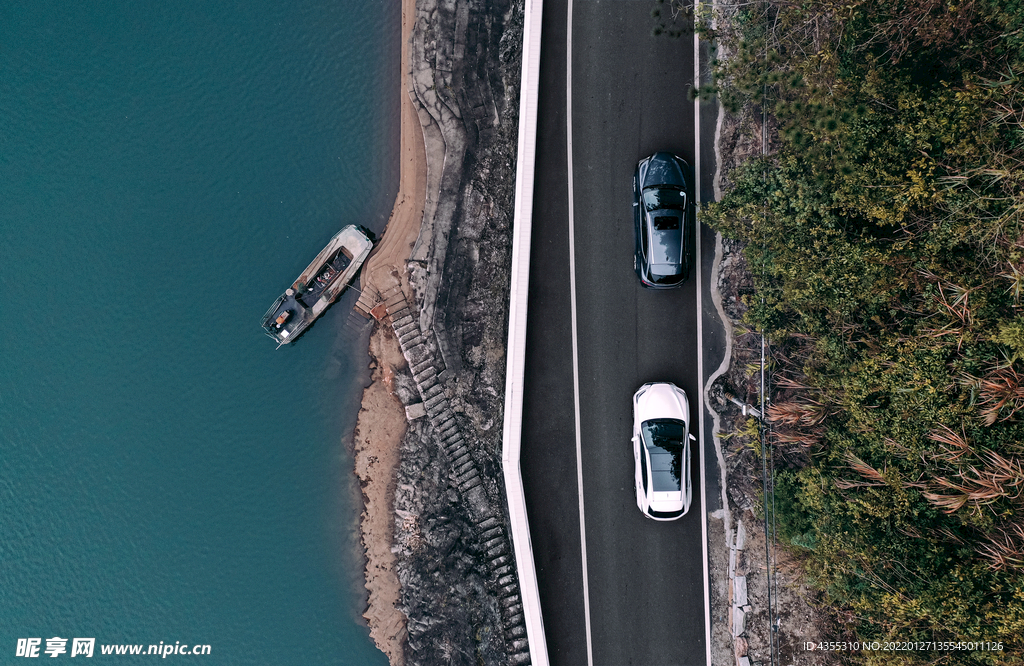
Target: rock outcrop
<point>453,554</point>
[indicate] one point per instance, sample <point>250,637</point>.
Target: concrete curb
<point>529,84</point>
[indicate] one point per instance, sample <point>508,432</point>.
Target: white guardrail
<point>529,84</point>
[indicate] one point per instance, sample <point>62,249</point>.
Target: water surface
<point>165,474</point>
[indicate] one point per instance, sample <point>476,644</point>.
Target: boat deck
<point>324,277</point>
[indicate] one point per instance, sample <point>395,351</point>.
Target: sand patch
<point>380,426</point>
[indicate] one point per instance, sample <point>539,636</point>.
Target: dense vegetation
<point>886,236</point>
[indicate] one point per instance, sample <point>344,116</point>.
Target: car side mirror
<point>692,438</point>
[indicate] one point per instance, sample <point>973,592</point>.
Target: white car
<point>661,451</point>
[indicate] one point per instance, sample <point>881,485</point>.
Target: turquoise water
<point>165,474</point>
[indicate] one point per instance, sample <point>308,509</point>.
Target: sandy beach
<point>379,430</point>
<point>381,423</point>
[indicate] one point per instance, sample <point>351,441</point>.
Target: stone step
<point>422,369</point>
<point>521,659</point>
<point>437,407</point>
<point>422,366</point>
<point>402,317</point>
<point>426,383</point>
<point>448,418</point>
<point>429,372</point>
<point>491,533</point>
<point>416,353</point>
<point>453,442</point>
<point>392,290</point>
<point>427,375</point>
<point>494,541</point>
<point>363,310</point>
<point>400,331</point>
<point>404,320</point>
<point>411,339</point>
<point>432,391</point>
<point>488,522</point>
<point>407,336</point>
<point>441,418</point>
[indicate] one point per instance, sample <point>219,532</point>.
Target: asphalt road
<point>646,579</point>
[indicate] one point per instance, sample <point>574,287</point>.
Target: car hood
<point>659,401</point>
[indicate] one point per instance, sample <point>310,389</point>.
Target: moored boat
<point>318,286</point>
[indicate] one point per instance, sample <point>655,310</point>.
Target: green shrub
<point>885,234</point>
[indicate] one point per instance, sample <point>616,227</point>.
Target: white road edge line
<point>700,353</point>
<point>512,427</point>
<point>575,346</point>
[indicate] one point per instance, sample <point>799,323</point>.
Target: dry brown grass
<point>1002,394</point>
<point>871,475</point>
<point>955,302</point>
<point>967,476</point>
<point>955,445</point>
<point>1004,547</point>
<point>805,413</point>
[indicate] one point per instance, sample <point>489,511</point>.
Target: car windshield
<point>672,278</point>
<point>664,439</point>
<point>660,198</point>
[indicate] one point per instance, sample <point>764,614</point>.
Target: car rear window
<point>657,198</point>
<point>664,439</point>
<point>666,222</point>
<point>666,279</point>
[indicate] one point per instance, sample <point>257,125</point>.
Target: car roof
<point>666,247</point>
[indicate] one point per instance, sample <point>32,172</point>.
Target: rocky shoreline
<point>446,306</point>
